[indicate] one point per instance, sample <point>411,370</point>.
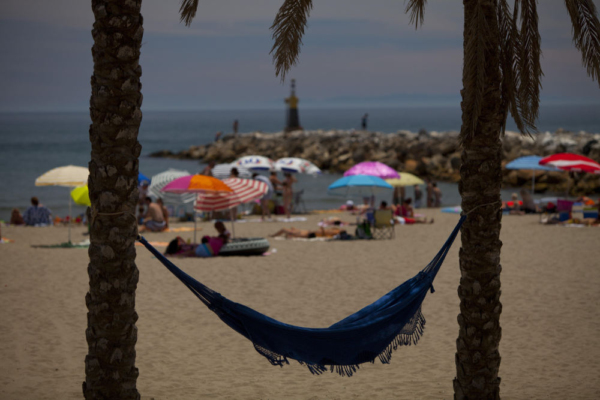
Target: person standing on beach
<point>37,214</point>
<point>264,201</point>
<point>418,196</point>
<point>437,195</point>
<point>236,125</point>
<point>208,169</point>
<point>288,193</point>
<point>429,189</point>
<point>363,121</point>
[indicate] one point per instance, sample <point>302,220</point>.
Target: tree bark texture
<point>477,356</point>
<point>115,112</point>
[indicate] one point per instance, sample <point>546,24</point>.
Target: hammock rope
<point>373,332</point>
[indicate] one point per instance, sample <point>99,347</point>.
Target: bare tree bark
<point>477,356</point>
<point>116,116</point>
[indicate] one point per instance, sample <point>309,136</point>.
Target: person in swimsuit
<point>305,233</point>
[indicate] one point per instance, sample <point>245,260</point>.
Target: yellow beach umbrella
<point>405,179</point>
<point>81,196</point>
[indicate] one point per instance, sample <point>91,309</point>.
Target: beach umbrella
<point>256,163</point>
<point>532,163</point>
<point>373,168</point>
<point>196,184</point>
<point>405,179</point>
<point>143,179</point>
<point>571,162</point>
<point>223,171</point>
<point>296,165</point>
<point>81,196</point>
<point>243,191</point>
<point>159,181</point>
<point>68,176</point>
<point>359,185</point>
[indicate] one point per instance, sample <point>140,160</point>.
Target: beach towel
<point>371,333</point>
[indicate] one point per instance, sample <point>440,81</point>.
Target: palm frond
<point>509,62</point>
<point>188,11</point>
<point>288,28</point>
<point>417,11</point>
<point>586,34</point>
<point>474,71</point>
<point>530,70</point>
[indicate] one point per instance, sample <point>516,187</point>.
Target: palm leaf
<point>288,28</point>
<point>188,11</point>
<point>530,70</point>
<point>586,34</point>
<point>417,11</point>
<point>474,71</point>
<point>509,61</point>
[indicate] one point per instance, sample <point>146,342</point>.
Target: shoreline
<point>434,155</point>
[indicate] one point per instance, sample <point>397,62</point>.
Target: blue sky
<point>355,53</point>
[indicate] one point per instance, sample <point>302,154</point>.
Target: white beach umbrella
<point>296,165</point>
<point>68,176</point>
<point>223,171</point>
<point>255,163</point>
<point>159,181</point>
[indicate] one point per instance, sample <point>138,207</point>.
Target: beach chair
<point>298,206</point>
<point>383,228</point>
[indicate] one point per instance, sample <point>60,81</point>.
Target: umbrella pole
<point>232,222</point>
<point>69,217</point>
<point>194,226</point>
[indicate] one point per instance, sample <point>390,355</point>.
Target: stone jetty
<point>427,154</point>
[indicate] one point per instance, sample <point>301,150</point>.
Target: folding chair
<point>298,203</point>
<point>383,228</point>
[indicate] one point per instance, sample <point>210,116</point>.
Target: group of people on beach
<point>433,198</point>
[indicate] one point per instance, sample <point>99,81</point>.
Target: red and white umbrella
<point>572,162</point>
<point>243,191</point>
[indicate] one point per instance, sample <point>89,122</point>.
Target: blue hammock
<point>373,332</point>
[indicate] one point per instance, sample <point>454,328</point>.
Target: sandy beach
<point>550,345</point>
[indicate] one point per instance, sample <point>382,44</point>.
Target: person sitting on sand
<point>37,214</point>
<point>529,206</point>
<point>210,246</point>
<point>154,220</point>
<point>16,218</point>
<point>165,212</point>
<point>406,212</point>
<point>305,233</point>
<point>515,208</point>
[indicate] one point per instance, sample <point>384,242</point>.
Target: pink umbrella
<point>373,168</point>
<point>572,162</point>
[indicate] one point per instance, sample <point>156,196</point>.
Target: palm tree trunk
<point>115,112</point>
<point>477,356</point>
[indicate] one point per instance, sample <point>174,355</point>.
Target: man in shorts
<point>264,201</point>
<point>154,219</point>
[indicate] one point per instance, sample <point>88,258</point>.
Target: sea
<point>33,143</point>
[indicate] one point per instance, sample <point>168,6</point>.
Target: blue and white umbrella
<point>255,163</point>
<point>143,179</point>
<point>532,163</point>
<point>296,166</point>
<point>361,185</point>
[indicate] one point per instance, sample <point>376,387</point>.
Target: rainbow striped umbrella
<point>196,184</point>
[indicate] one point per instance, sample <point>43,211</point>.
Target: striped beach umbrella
<point>243,191</point>
<point>571,162</point>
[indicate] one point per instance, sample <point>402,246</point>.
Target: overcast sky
<point>355,52</point>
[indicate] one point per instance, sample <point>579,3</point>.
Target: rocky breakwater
<point>427,154</point>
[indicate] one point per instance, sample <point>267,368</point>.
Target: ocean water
<point>33,143</point>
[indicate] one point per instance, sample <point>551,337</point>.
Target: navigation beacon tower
<point>293,121</point>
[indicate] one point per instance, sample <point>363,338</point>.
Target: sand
<point>550,345</point>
